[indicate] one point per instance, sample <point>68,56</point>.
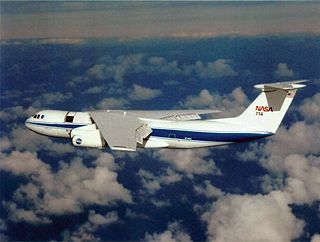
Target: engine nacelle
<point>85,137</point>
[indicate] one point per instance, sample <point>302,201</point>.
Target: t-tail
<point>266,112</point>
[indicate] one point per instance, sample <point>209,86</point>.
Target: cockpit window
<point>37,116</point>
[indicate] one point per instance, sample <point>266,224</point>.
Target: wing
<point>182,115</point>
<point>121,131</point>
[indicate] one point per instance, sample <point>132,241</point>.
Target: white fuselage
<point>127,130</point>
<point>165,133</point>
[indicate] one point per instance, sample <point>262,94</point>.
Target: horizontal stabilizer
<point>290,85</point>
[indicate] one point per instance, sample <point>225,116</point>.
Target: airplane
<point>127,130</point>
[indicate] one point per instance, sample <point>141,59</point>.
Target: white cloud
<point>10,94</point>
<point>292,157</point>
<point>252,218</point>
<point>134,215</point>
<point>161,65</point>
<point>118,67</point>
<point>93,90</point>
<point>221,67</point>
<point>208,190</point>
<point>297,159</point>
<point>16,112</point>
<point>77,80</point>
<point>216,69</point>
<point>231,104</point>
<point>315,238</point>
<point>62,41</point>
<point>54,192</point>
<point>3,225</point>
<point>157,60</point>
<point>149,183</point>
<point>98,219</point>
<point>174,233</point>
<point>303,179</point>
<point>170,177</point>
<point>310,108</point>
<point>159,203</point>
<point>283,71</point>
<point>98,71</point>
<point>67,190</point>
<point>139,93</point>
<point>23,139</point>
<point>191,162</point>
<point>130,60</point>
<point>117,70</point>
<point>85,232</point>
<point>24,163</point>
<point>180,20</point>
<point>3,228</point>
<point>76,62</point>
<point>112,103</point>
<point>152,183</point>
<point>23,215</point>
<point>5,143</point>
<point>50,98</point>
<point>271,182</point>
<point>204,99</point>
<point>299,138</point>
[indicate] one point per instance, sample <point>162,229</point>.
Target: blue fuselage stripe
<point>208,136</point>
<point>59,125</point>
<point>181,134</point>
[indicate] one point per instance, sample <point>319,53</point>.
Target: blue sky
<point>51,190</point>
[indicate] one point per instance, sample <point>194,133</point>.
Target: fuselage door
<point>69,117</point>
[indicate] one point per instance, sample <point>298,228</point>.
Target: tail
<point>266,112</point>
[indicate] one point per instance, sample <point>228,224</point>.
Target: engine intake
<point>87,136</point>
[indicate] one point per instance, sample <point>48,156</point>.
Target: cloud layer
<point>66,191</point>
<point>178,195</point>
<point>252,218</point>
<point>72,21</point>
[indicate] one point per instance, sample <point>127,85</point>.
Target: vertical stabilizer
<point>266,112</point>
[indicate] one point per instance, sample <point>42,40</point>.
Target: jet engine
<point>87,136</point>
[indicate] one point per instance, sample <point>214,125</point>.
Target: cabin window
<point>69,119</point>
<point>172,136</point>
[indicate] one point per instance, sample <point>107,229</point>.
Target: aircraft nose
<point>28,123</point>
